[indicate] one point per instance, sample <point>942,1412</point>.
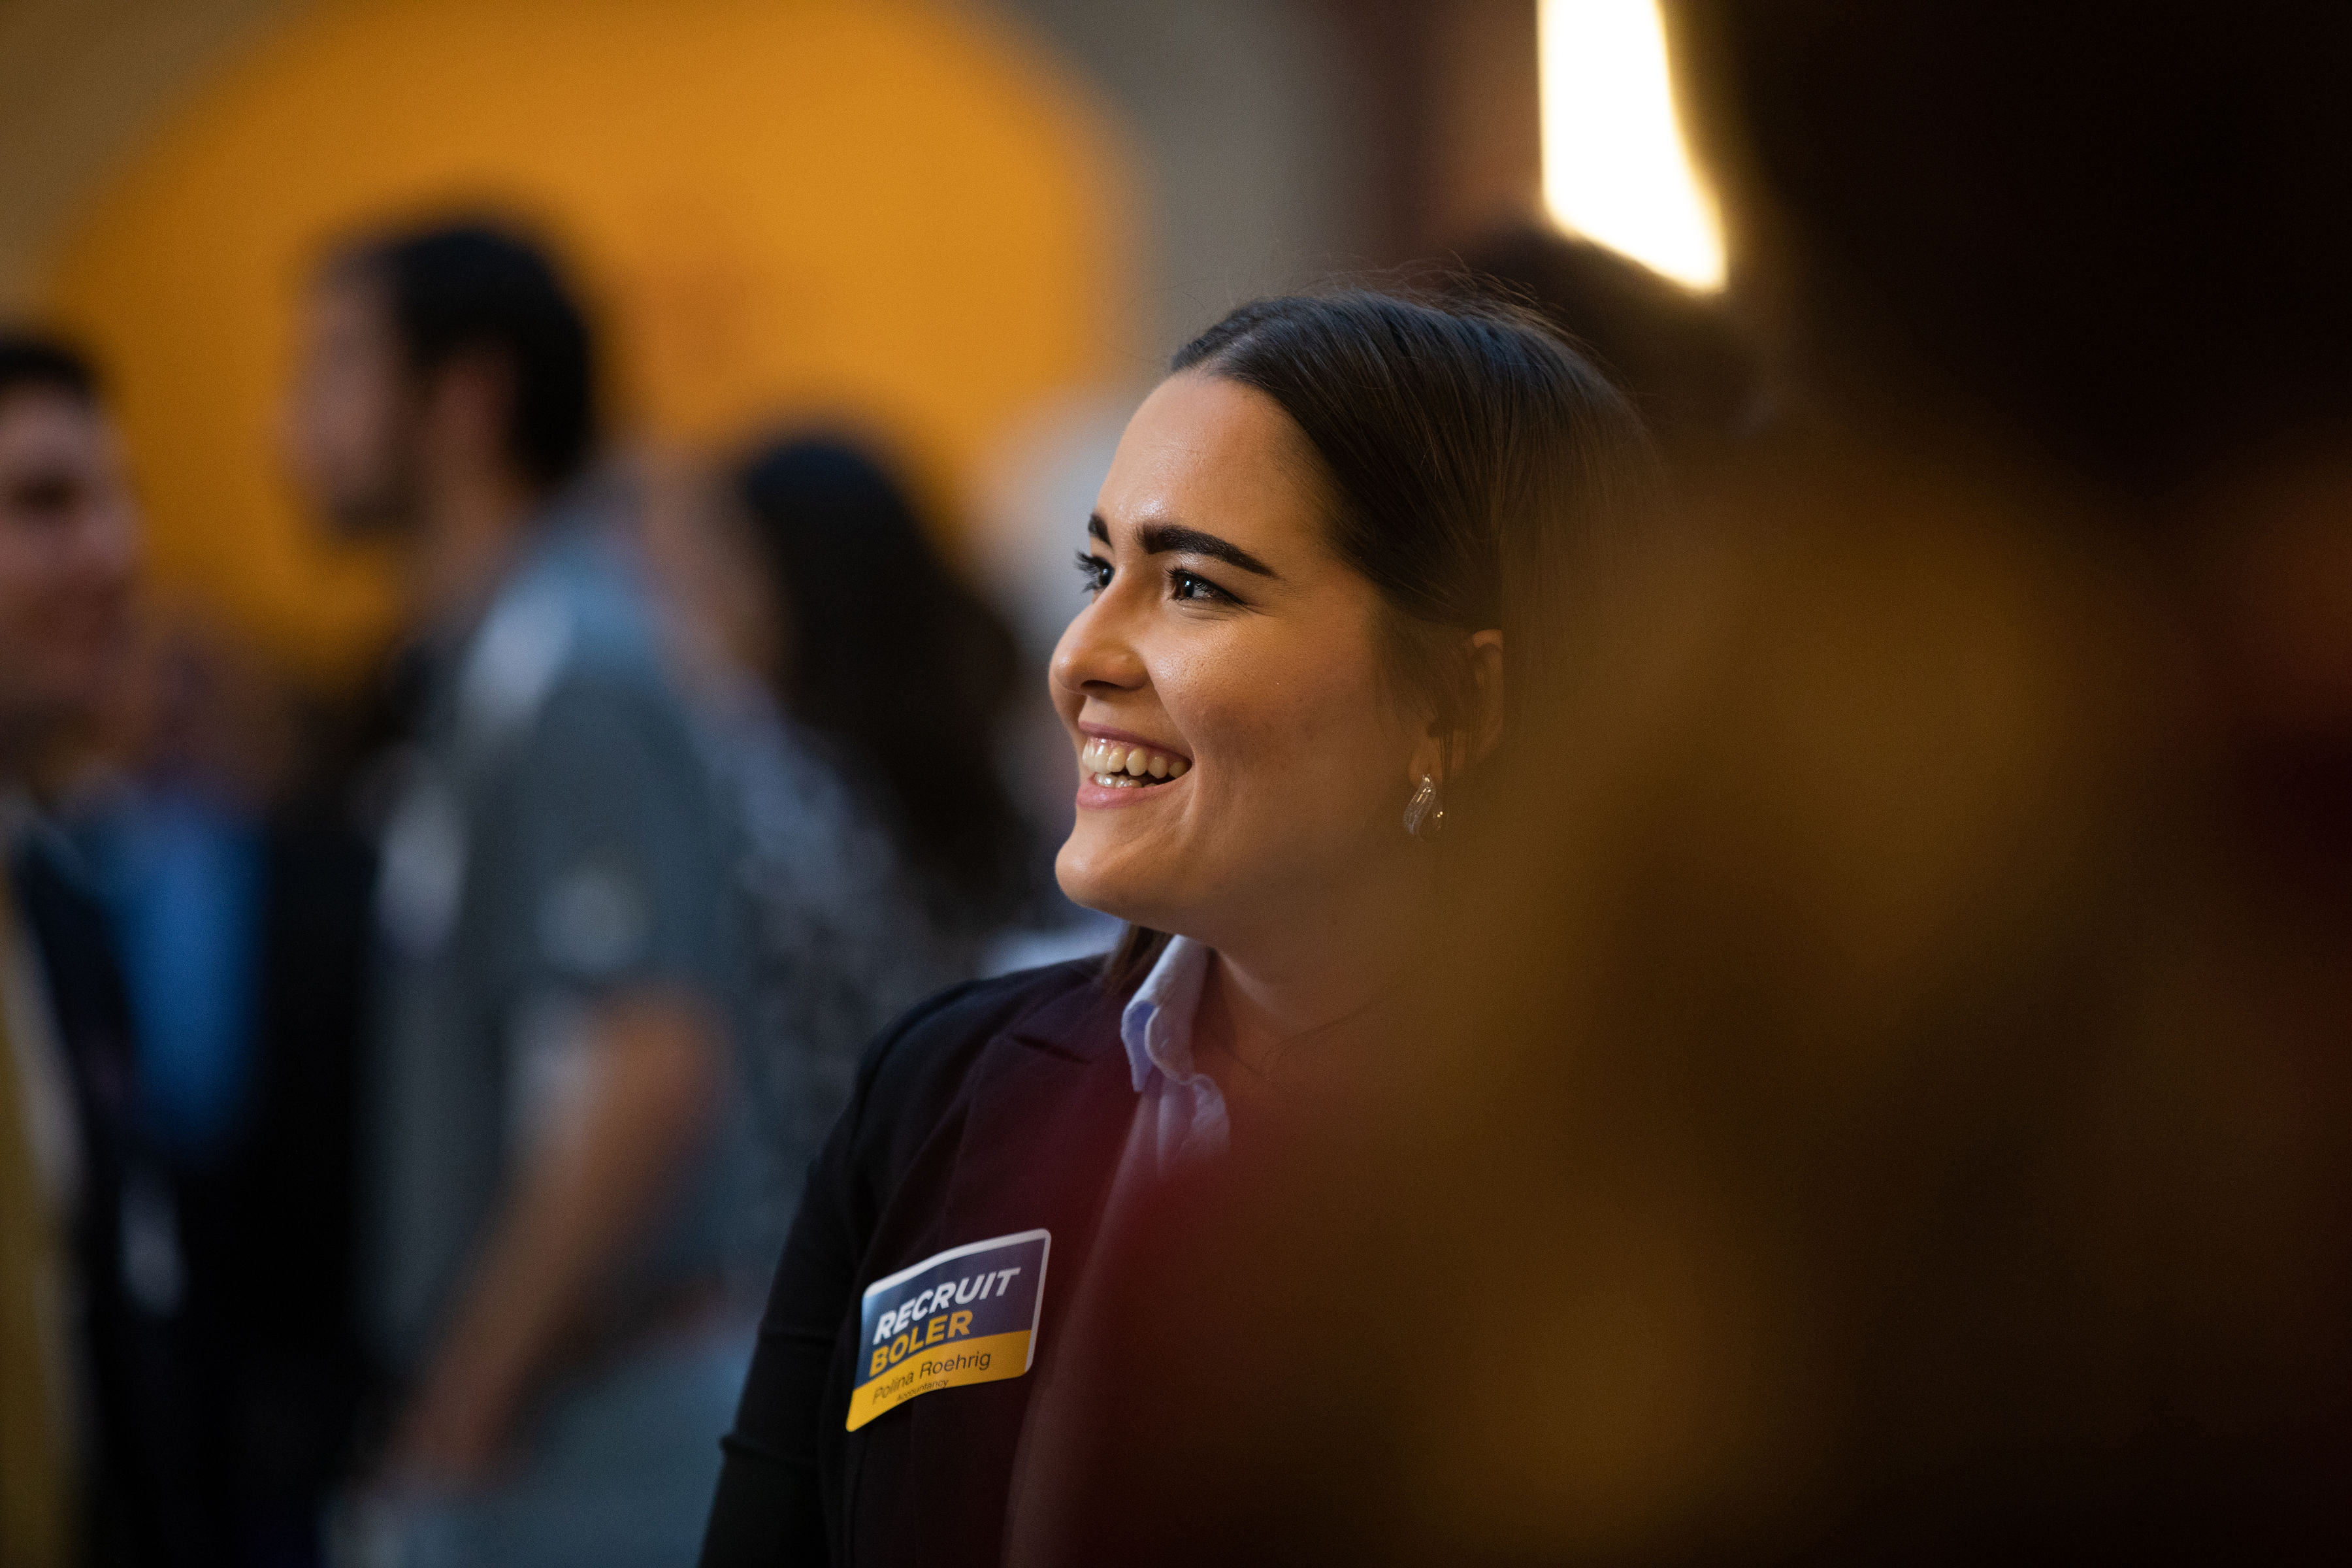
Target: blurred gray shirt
<point>557,837</point>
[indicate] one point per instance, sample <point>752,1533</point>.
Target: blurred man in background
<point>550,1166</point>
<point>90,1426</point>
<point>219,832</point>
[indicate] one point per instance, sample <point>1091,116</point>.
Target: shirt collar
<point>1157,1025</point>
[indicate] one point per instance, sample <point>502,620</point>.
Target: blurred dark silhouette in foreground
<point>1677,354</point>
<point>1882,1094</point>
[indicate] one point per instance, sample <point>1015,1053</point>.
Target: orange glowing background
<point>876,210</point>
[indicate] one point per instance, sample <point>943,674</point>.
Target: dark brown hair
<point>894,661</point>
<point>475,286</point>
<point>1479,473</point>
<point>49,364</point>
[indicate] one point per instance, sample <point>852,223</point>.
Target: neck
<point>1313,971</point>
<point>471,525</point>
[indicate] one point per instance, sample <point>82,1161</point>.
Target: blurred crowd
<point>1866,1083</point>
<point>323,1181</point>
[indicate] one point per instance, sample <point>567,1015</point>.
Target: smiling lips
<point>1121,764</point>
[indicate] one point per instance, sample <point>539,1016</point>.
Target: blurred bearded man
<point>550,1169</point>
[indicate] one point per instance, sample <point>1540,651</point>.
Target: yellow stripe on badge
<point>966,1315</point>
<point>948,1365</point>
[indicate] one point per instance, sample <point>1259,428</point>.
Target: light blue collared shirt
<point>1181,1114</point>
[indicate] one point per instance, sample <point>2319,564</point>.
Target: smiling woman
<point>1335,547</point>
<point>1244,645</point>
<point>1420,481</point>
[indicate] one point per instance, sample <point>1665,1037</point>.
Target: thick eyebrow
<point>1175,539</point>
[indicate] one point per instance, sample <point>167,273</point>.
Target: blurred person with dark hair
<point>1333,544</point>
<point>1885,1100</point>
<point>872,875</point>
<point>553,1167</point>
<point>92,1434</point>
<point>846,556</point>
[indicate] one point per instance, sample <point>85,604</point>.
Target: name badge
<point>965,1315</point>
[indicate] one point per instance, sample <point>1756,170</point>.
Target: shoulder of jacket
<point>921,1059</point>
<point>975,1012</point>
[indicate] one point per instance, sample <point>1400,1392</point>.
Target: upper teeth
<point>1121,764</point>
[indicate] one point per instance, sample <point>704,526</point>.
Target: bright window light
<point>1614,166</point>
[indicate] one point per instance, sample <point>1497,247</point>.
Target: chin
<point>1093,880</point>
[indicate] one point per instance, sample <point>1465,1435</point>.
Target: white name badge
<point>965,1315</point>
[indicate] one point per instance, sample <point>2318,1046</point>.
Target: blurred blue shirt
<point>183,875</point>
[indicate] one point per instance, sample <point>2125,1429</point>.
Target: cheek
<point>1270,724</point>
<point>33,562</point>
<point>18,597</point>
<point>348,415</point>
<point>49,618</point>
<point>356,427</point>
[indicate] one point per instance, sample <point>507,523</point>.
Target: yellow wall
<point>872,208</point>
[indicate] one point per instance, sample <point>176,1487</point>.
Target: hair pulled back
<point>1478,469</point>
<point>1478,472</point>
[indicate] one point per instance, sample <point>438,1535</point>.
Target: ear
<point>1439,753</point>
<point>464,413</point>
<point>1486,726</point>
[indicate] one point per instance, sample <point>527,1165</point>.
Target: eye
<point>45,498</point>
<point>1183,584</point>
<point>1095,570</point>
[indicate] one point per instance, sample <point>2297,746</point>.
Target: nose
<point>1095,657</point>
<point>109,540</point>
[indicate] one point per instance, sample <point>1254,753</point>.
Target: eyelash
<point>1182,586</point>
<point>1178,579</point>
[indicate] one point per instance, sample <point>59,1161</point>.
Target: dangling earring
<point>1424,814</point>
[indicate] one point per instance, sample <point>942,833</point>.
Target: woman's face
<point>1240,762</point>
